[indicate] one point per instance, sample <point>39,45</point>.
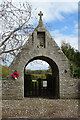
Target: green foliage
<point>36,74</point>
<point>74,57</point>
<point>4,72</point>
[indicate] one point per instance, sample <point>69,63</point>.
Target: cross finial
<point>40,14</point>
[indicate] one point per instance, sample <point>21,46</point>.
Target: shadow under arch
<point>55,76</point>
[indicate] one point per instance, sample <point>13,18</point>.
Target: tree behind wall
<point>74,57</point>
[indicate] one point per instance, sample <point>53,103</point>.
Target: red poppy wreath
<point>15,75</point>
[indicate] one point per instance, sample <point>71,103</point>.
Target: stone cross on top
<point>40,20</point>
<point>40,14</point>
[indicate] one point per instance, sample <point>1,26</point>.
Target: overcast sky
<point>60,18</point>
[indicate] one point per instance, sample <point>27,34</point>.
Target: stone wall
<point>10,91</point>
<point>14,89</point>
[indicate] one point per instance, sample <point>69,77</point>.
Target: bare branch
<point>11,34</point>
<point>8,51</point>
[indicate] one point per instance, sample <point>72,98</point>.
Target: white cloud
<point>64,28</point>
<point>59,38</point>
<point>51,10</point>
<point>75,29</point>
<point>37,65</point>
<point>47,0</point>
<point>72,39</point>
<point>76,25</point>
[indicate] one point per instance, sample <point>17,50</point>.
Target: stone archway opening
<point>46,87</point>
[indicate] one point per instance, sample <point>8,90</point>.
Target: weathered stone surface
<point>40,108</point>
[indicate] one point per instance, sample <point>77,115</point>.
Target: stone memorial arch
<point>41,45</point>
<point>15,103</point>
